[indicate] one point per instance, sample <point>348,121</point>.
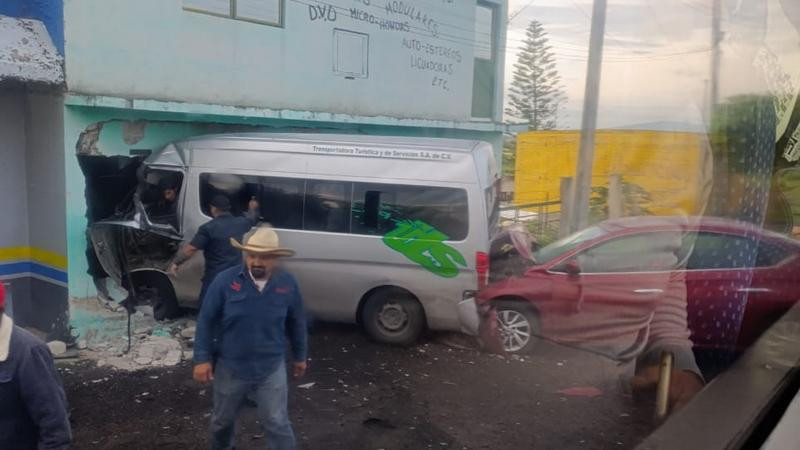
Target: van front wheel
<point>393,317</point>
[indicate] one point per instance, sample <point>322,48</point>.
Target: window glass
<point>637,253</point>
<point>281,201</point>
<point>378,208</point>
<point>268,11</point>
<point>160,192</point>
<point>565,245</point>
<point>726,251</point>
<point>327,206</point>
<point>264,11</point>
<point>221,7</point>
<point>239,189</point>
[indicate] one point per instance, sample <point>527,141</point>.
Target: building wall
<point>154,49</point>
<point>14,222</point>
<point>32,229</point>
<point>119,134</point>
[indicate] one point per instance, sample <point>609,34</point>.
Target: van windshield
<point>159,191</point>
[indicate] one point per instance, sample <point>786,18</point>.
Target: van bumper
<point>468,316</point>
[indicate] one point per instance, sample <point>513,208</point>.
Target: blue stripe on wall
<point>35,268</point>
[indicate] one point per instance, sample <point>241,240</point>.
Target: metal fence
<point>542,222</point>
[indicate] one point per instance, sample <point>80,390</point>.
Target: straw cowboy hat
<point>263,241</point>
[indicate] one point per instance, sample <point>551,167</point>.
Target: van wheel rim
<point>515,329</point>
<point>393,317</point>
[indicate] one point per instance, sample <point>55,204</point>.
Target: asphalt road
<point>370,396</point>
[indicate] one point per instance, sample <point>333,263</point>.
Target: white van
<point>389,232</point>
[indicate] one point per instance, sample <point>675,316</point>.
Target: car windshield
<point>549,252</point>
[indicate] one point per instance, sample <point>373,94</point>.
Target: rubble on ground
<point>101,330</point>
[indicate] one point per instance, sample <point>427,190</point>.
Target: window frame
<point>233,13</point>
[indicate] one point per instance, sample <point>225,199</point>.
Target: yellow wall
<point>674,168</point>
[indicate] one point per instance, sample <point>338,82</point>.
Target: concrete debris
<point>57,347</point>
<point>153,344</point>
<point>189,332</point>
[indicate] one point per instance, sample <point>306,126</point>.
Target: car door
<point>614,295</point>
<point>736,286</point>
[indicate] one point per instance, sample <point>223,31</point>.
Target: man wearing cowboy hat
<point>256,306</point>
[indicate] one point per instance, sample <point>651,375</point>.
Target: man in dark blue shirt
<point>256,306</point>
<point>213,238</point>
<point>33,406</point>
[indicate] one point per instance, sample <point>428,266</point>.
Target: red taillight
<point>482,268</point>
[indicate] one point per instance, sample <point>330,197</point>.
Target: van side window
<point>378,208</point>
<point>327,206</point>
<point>281,202</point>
<point>281,199</point>
<point>238,188</point>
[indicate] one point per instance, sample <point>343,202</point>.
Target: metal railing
<point>540,220</point>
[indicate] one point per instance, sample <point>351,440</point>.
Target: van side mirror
<point>572,267</point>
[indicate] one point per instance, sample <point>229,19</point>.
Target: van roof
<point>330,138</point>
<point>408,158</point>
<point>173,154</point>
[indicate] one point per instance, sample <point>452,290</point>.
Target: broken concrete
<point>57,347</point>
<point>153,344</point>
<point>27,53</point>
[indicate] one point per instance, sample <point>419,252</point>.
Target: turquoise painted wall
<point>163,127</point>
<point>408,66</point>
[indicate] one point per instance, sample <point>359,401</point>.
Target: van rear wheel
<point>393,317</point>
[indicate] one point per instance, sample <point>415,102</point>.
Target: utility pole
<point>579,217</point>
<point>719,191</point>
<point>716,38</point>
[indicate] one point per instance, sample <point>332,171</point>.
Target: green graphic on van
<point>424,245</point>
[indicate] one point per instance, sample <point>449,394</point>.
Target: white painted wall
<point>45,172</point>
<point>14,203</point>
<point>154,49</point>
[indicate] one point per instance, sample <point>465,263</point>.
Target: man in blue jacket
<point>256,306</point>
<point>33,406</point>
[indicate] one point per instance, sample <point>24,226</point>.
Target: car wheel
<point>518,326</point>
<point>393,317</point>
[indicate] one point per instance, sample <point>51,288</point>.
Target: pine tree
<point>535,93</point>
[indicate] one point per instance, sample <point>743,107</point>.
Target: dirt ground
<point>370,396</point>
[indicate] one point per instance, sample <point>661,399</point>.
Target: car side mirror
<point>572,267</point>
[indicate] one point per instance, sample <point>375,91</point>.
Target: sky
<point>657,56</point>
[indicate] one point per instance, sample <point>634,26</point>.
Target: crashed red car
<point>603,284</point>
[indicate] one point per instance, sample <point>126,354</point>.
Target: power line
<point>519,11</point>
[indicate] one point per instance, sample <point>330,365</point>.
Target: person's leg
<point>229,395</point>
<point>273,411</point>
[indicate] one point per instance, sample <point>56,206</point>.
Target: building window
<point>483,82</point>
<point>268,12</point>
<point>350,54</point>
